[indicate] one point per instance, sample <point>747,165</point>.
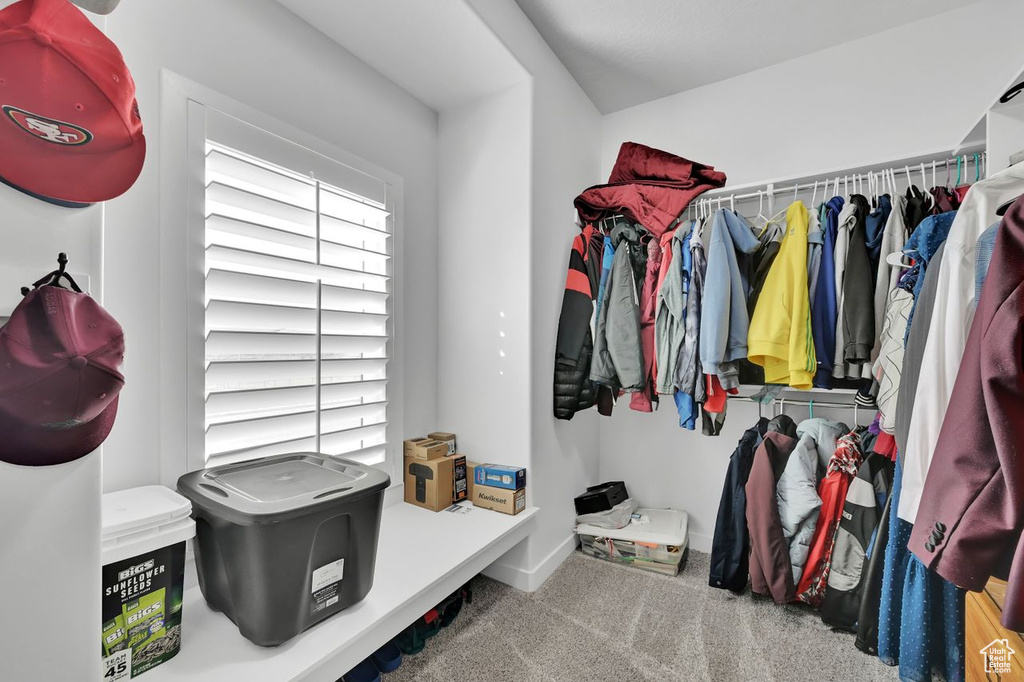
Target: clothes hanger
<point>977,168</point>
<point>732,203</point>
<point>947,173</point>
<point>933,175</point>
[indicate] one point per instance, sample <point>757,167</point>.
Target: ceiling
<point>439,51</point>
<point>627,52</point>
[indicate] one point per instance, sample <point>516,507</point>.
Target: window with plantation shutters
<point>297,286</point>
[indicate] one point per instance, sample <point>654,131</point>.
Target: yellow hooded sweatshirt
<point>779,338</point>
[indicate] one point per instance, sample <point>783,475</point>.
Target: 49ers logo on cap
<point>51,130</point>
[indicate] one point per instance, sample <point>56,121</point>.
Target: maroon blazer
<point>969,522</point>
<point>770,568</point>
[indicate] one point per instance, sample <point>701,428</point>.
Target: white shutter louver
<point>297,304</point>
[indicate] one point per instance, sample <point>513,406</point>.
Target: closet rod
<point>802,403</point>
<point>769,188</point>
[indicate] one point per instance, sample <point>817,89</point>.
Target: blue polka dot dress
<point>921,619</point>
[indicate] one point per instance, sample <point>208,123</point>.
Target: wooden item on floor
<point>984,609</point>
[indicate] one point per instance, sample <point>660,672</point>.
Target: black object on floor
<point>601,497</point>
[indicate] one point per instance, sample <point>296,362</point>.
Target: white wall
<point>563,159</point>
<point>258,53</point>
<point>900,93</point>
<point>483,392</point>
<point>881,98</point>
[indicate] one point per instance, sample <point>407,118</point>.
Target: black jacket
<point>862,511</point>
<point>858,291</point>
<point>573,390</point>
<point>871,599</point>
<point>730,547</point>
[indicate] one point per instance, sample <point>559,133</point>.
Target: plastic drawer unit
<point>285,541</point>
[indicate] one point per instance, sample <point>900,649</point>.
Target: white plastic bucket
<point>143,553</point>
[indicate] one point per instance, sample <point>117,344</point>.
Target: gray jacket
<point>797,489</point>
<point>823,433</point>
<point>618,356</point>
<point>669,320</point>
<point>797,494</point>
<point>724,320</point>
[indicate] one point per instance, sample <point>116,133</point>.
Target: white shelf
<point>422,557</point>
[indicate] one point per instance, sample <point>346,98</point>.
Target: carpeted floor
<point>599,622</point>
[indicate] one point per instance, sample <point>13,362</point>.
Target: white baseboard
<point>700,543</point>
<point>532,579</point>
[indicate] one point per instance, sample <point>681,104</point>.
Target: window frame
<point>185,108</point>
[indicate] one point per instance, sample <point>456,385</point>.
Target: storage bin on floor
<point>285,541</point>
<point>654,542</point>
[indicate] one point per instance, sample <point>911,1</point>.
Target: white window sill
<point>422,557</point>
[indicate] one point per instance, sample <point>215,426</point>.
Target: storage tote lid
<point>143,519</point>
<point>665,527</point>
<point>281,484</point>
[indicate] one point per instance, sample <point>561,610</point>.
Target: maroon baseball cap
<point>70,130</point>
<point>59,379</point>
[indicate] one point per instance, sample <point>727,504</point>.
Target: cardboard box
<point>448,438</point>
<point>499,499</point>
<point>409,444</point>
<point>498,476</point>
<point>425,449</point>
<point>470,477</point>
<point>435,484</point>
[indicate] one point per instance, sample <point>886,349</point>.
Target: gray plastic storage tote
<point>286,541</point>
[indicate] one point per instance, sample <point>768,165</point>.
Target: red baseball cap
<point>70,130</point>
<point>60,354</point>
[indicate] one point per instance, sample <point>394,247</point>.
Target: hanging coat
<point>730,547</point>
<point>874,232</point>
<point>643,400</point>
<point>770,570</point>
<point>724,319</point>
<point>846,222</point>
<point>858,317</point>
<point>832,491</point>
<point>870,603</point>
<point>779,338</point>
<point>799,503</point>
<point>618,356</point>
<point>670,321</point>
<point>689,372</point>
<point>889,364</point>
<point>649,186</point>
<point>861,513</point>
<point>573,390</point>
<point>971,514</point>
<point>894,236</point>
<point>947,334</point>
<point>825,302</point>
